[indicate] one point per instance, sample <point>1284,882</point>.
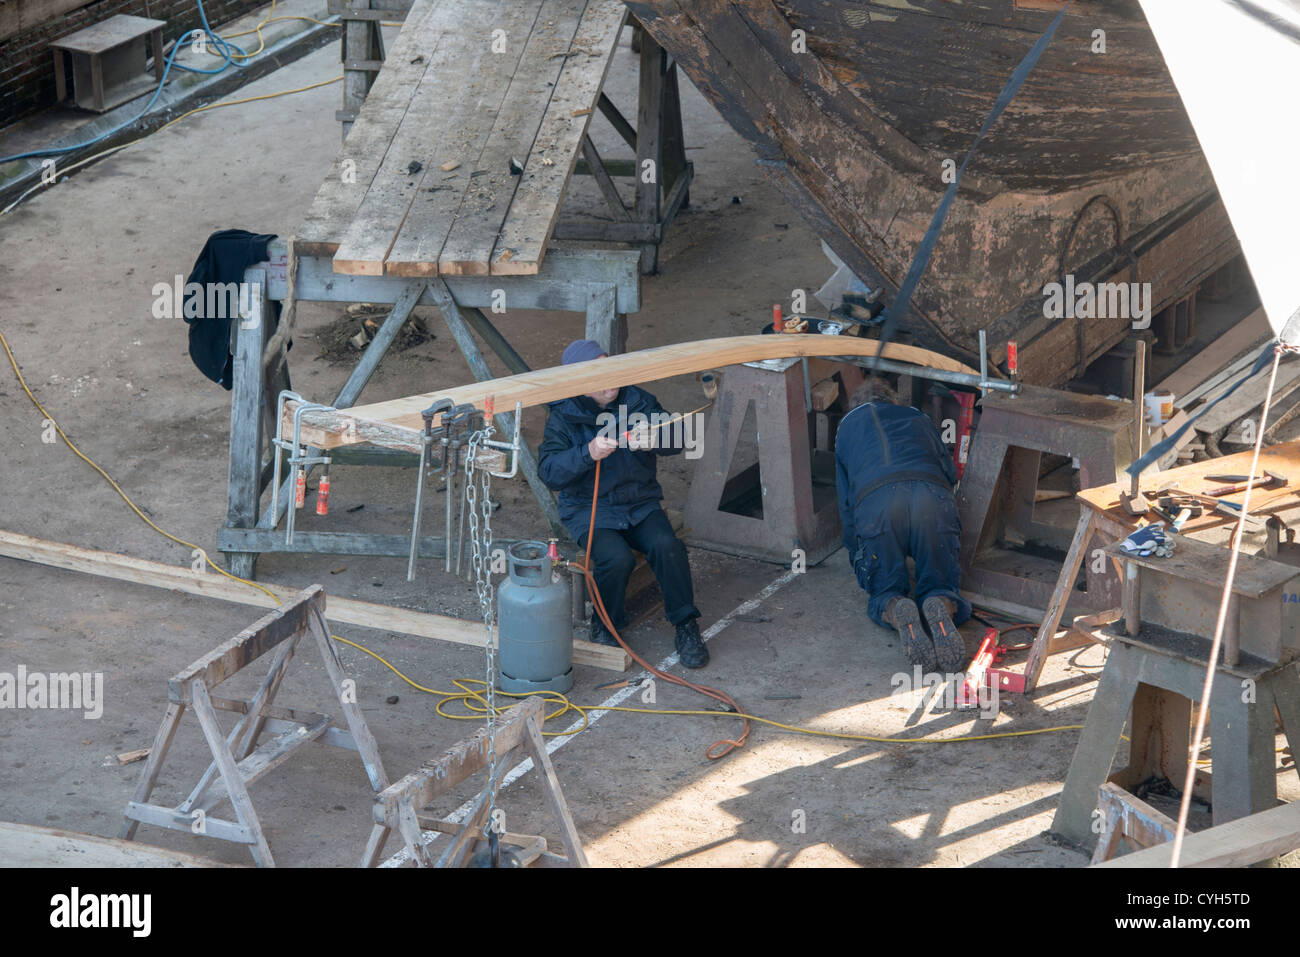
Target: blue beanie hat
<point>581,350</point>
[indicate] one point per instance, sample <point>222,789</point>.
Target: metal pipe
<point>984,364</point>
<point>938,375</point>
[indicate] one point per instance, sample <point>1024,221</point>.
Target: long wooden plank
<point>470,239</point>
<point>463,85</point>
<point>211,585</point>
<point>23,845</point>
<point>1249,396</point>
<point>531,219</point>
<point>1239,843</point>
<point>359,158</point>
<point>373,422</point>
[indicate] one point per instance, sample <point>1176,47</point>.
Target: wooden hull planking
<point>856,131</point>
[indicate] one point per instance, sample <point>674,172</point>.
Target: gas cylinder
<point>534,623</point>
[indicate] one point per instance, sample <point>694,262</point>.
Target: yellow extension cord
<point>474,701</point>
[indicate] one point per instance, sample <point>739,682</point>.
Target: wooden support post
<point>1060,598</point>
<point>362,40</point>
<point>246,410</point>
<point>1132,599</point>
<point>650,144</point>
<point>604,322</point>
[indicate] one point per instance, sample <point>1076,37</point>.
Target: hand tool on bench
<point>1267,480</point>
<point>1133,500</point>
<point>1233,510</point>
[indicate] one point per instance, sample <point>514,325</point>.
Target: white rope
<point>1184,806</point>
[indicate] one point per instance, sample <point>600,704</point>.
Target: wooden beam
<point>394,421</point>
<point>438,776</point>
<point>1239,843</point>
<point>211,585</point>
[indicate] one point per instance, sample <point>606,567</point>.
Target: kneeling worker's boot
<point>902,614</point>
<point>691,650</point>
<point>948,644</point>
<point>600,634</point>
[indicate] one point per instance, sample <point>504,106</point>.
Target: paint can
<point>1160,407</point>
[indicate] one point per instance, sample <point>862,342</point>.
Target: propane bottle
<point>534,623</point>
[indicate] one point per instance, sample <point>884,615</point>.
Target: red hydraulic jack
<point>981,673</point>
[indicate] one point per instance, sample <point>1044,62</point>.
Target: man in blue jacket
<point>895,478</point>
<point>628,515</point>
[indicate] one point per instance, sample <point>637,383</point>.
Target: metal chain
<point>479,482</point>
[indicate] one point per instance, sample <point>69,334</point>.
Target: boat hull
<point>1093,169</point>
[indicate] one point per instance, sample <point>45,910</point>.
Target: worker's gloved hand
<point>600,447</point>
<point>642,437</point>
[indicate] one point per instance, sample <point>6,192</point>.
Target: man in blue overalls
<point>895,479</point>
<point>628,514</point>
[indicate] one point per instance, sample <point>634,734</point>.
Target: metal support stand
<point>774,506</point>
<point>1001,476</point>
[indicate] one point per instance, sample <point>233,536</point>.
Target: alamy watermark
<point>658,430</point>
<point>76,909</point>
<point>951,692</point>
<point>214,300</point>
<point>1105,300</point>
<point>39,690</point>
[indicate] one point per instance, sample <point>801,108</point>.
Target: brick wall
<point>27,66</point>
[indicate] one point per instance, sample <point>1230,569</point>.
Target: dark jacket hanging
<point>225,257</point>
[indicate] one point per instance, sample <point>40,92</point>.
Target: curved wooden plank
<point>397,416</point>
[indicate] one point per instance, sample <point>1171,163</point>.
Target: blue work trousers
<point>916,520</point>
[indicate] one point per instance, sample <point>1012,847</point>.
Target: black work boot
<point>948,644</point>
<point>600,634</point>
<point>902,614</point>
<point>691,650</point>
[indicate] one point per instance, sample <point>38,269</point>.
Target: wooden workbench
<point>447,192</point>
<point>1101,513</point>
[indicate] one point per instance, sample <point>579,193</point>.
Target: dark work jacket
<point>878,443</point>
<point>629,490</point>
<point>224,258</point>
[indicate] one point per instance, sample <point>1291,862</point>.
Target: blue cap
<point>581,350</point>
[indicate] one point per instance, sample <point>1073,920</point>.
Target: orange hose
<point>728,745</point>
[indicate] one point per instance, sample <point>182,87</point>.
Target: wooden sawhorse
<point>399,807</point>
<point>238,760</point>
<point>1159,685</point>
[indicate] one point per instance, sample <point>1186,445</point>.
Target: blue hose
<point>224,47</point>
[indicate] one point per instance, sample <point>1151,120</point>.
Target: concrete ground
<point>77,268</point>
